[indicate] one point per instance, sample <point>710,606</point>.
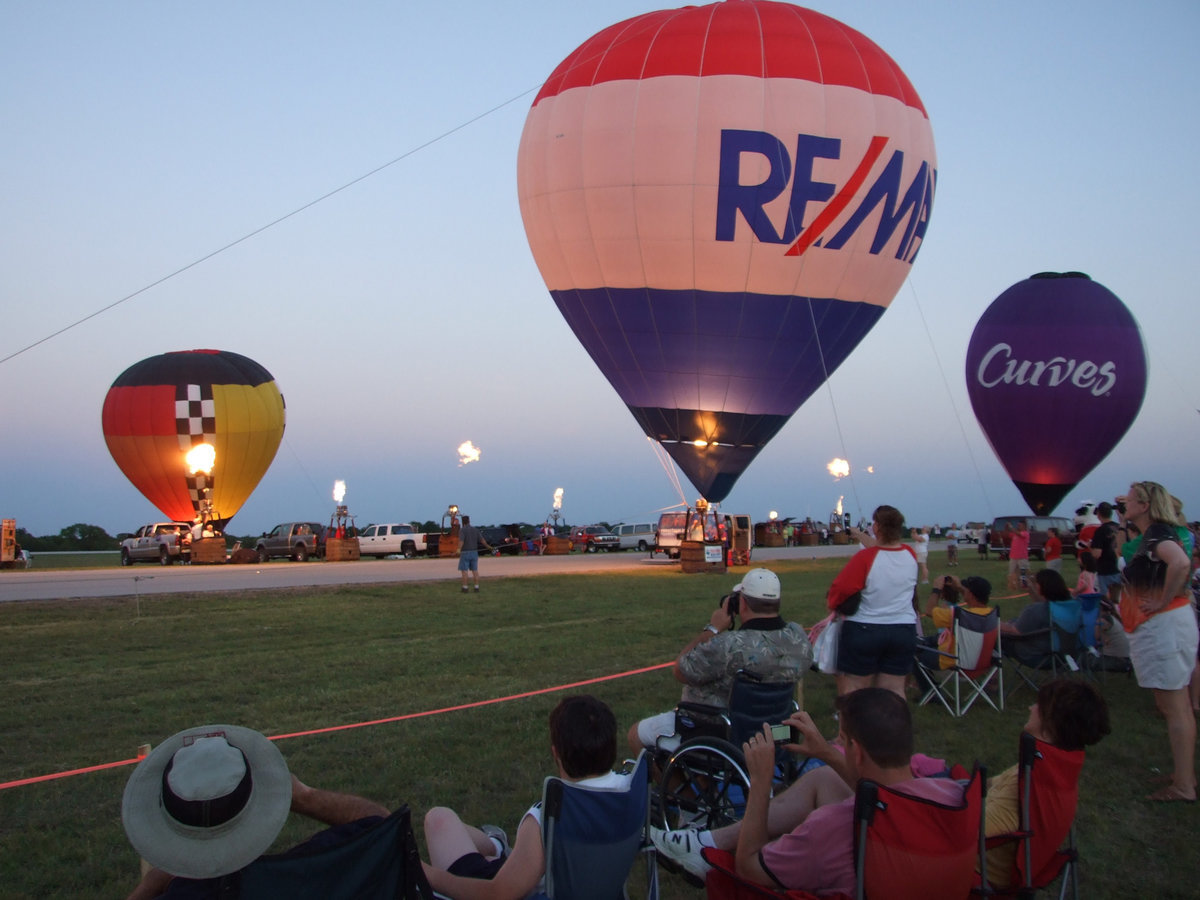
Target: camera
<point>1119,505</point>
<point>730,603</point>
<point>784,734</point>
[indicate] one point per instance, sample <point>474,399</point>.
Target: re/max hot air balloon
<point>162,407</point>
<point>722,200</point>
<point>1056,373</point>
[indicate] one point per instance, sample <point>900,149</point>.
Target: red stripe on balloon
<point>841,201</point>
<point>755,38</point>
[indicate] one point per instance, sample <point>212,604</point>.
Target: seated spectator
<point>802,839</point>
<point>467,862</point>
<point>1030,631</point>
<point>973,592</point>
<point>1113,642</point>
<point>1069,714</point>
<point>766,645</point>
<point>210,800</point>
<point>1086,584</point>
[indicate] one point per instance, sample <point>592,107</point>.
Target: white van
<point>637,535</point>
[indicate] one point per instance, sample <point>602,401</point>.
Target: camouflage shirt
<point>772,649</point>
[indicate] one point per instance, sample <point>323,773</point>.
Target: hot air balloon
<point>1056,373</point>
<point>722,201</point>
<point>221,409</point>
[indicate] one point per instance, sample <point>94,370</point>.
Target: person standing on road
<point>469,539</point>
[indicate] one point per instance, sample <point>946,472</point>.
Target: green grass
<point>86,682</point>
<point>64,560</point>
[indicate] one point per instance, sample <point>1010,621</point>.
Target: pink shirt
<point>1086,583</point>
<point>1020,545</point>
<point>818,856</point>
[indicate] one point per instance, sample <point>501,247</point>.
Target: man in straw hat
<point>210,800</point>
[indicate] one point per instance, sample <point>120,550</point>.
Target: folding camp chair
<point>592,837</point>
<point>910,848</point>
<point>1047,796</point>
<point>905,848</point>
<point>1087,646</point>
<point>1066,619</point>
<point>379,862</point>
<point>976,663</point>
<point>722,883</point>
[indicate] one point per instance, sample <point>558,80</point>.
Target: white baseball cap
<point>761,584</point>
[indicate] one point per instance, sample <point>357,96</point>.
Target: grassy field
<point>86,682</point>
<point>96,559</point>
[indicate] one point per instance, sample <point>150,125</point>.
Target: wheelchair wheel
<point>703,786</point>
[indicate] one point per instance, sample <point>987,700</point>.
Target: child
<point>1087,575</point>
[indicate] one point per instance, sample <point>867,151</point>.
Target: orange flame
<point>201,458</point>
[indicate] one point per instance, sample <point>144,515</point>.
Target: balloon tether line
<point>837,425</point>
<point>946,384</point>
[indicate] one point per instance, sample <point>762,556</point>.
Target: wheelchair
<point>704,782</point>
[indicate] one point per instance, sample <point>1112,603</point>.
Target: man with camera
<point>765,645</point>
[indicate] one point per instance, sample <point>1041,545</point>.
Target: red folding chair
<point>905,848</point>
<point>910,848</point>
<point>723,883</point>
<point>1047,796</point>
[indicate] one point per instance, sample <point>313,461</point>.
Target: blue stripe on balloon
<point>733,352</point>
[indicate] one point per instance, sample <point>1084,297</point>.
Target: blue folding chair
<point>1087,651</point>
<point>592,837</point>
<point>1066,621</point>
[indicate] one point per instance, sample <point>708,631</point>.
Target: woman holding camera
<point>876,592</point>
<point>1156,611</point>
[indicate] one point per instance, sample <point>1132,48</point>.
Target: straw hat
<point>207,801</point>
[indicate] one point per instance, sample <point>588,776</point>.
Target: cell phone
<point>784,734</point>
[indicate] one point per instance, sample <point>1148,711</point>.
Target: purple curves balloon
<point>1056,373</point>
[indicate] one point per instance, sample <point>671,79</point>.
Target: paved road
<point>66,584</point>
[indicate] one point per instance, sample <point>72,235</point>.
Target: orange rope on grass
<point>416,715</point>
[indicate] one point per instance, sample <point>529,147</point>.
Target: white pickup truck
<point>392,539</point>
<point>159,542</point>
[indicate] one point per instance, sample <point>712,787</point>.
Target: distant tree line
<point>78,538</point>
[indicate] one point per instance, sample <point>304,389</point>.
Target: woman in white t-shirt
<point>876,592</point>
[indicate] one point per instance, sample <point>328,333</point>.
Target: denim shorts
<point>869,649</point>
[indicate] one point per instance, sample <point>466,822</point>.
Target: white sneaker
<point>682,848</point>
<point>499,838</point>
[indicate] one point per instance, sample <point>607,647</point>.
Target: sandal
<point>1172,794</point>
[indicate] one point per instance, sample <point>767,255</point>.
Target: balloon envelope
<point>1056,373</point>
<point>722,200</point>
<point>161,407</point>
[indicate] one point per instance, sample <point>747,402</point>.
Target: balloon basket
<point>342,550</point>
<point>697,557</point>
<point>840,537</point>
<point>208,551</point>
<point>448,545</point>
<point>557,546</point>
<point>807,539</point>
